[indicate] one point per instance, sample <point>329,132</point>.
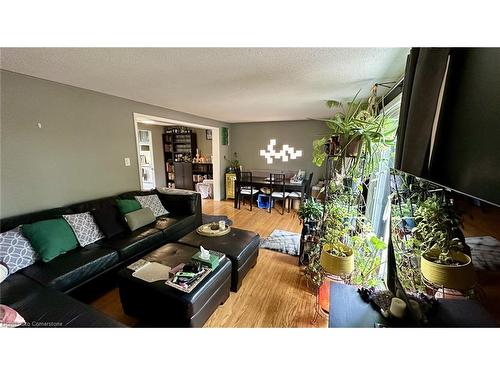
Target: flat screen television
<point>449,127</point>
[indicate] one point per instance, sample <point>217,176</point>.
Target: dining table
<point>260,182</point>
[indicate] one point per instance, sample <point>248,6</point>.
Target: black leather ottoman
<point>240,246</point>
<point>157,304</point>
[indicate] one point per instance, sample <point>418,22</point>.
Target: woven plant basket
<point>336,265</point>
<point>461,277</point>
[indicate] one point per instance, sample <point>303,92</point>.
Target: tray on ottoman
<point>158,304</point>
<point>240,246</point>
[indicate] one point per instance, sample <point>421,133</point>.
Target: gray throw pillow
<point>85,228</point>
<point>152,201</point>
<point>16,251</point>
<point>138,219</point>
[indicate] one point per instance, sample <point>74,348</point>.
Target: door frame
<point>162,121</point>
<point>151,150</point>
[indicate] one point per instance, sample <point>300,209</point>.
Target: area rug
<point>216,218</point>
<point>282,241</point>
<point>485,252</point>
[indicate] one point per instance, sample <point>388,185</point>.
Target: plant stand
<point>448,293</point>
<point>309,237</point>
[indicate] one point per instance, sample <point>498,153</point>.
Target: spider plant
<point>356,122</point>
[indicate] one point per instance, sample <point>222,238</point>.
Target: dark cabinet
<point>183,175</point>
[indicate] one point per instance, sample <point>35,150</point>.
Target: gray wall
<point>204,145</point>
<point>78,153</point>
<point>158,155</point>
<point>248,138</point>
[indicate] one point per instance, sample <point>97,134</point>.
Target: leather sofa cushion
<point>177,202</point>
<point>109,220</point>
<point>14,221</point>
<point>71,269</point>
<point>106,214</point>
<point>132,243</point>
<point>175,227</point>
<point>41,306</point>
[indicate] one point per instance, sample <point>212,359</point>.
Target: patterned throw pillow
<point>85,228</point>
<point>4,271</point>
<point>153,202</point>
<point>15,250</point>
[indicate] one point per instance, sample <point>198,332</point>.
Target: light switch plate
<point>127,162</point>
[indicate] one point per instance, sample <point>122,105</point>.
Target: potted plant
<point>358,128</point>
<point>234,163</point>
<point>442,259</point>
<point>310,211</point>
<point>337,258</point>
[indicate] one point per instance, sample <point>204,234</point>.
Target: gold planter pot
<point>461,277</point>
<point>336,265</point>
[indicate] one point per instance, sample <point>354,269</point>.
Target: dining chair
<point>297,195</point>
<point>244,188</point>
<point>277,190</point>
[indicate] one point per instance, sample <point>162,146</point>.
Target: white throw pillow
<point>4,272</point>
<point>85,228</point>
<point>153,202</point>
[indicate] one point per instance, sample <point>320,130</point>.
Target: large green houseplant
<point>310,211</point>
<point>356,129</point>
<point>442,261</point>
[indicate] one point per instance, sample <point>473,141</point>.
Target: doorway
<point>161,172</point>
<point>146,160</point>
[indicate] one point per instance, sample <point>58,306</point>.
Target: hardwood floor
<point>274,293</point>
<point>484,222</point>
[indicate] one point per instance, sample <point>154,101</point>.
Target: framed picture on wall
<point>208,134</point>
<point>224,136</point>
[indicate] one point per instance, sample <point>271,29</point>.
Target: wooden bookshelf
<point>179,145</point>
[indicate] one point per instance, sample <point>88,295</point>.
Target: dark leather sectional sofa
<point>41,292</point>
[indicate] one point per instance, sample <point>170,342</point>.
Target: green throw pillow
<point>50,238</point>
<point>140,218</point>
<point>128,205</point>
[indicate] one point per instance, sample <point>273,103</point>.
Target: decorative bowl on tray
<point>212,230</point>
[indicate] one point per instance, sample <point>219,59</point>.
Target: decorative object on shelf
<point>208,134</point>
<point>286,152</point>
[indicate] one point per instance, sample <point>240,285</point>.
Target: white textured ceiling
<point>226,84</point>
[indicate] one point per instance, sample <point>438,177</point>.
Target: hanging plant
<point>360,130</point>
